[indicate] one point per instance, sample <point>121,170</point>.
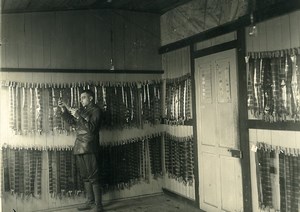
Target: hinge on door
<point>236,153</point>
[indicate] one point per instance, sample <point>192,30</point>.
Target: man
<point>86,121</point>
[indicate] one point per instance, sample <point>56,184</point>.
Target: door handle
<point>236,153</point>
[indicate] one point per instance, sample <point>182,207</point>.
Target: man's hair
<point>89,92</point>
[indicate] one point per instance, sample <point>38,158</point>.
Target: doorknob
<point>235,153</point>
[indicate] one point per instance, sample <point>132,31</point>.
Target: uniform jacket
<point>87,127</point>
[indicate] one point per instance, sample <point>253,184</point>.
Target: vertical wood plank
<point>262,37</point>
<point>185,58</point>
<point>166,65</point>
<point>140,43</point>
<point>78,40</point>
<point>25,50</point>
<point>61,43</point>
<point>276,34</point>
<point>169,65</point>
<point>166,59</point>
<point>51,40</point>
<point>294,29</point>
<point>37,40</point>
<point>189,59</point>
<point>90,30</point>
<point>55,44</point>
<point>176,60</point>
<point>98,44</point>
<point>130,42</point>
<point>271,45</point>
<point>104,44</point>
<point>297,138</point>
<point>153,41</point>
<point>285,32</point>
<point>48,26</point>
<point>17,37</point>
<point>180,62</point>
<point>174,64</point>
<point>119,41</point>
<point>66,39</point>
<point>13,32</point>
<point>3,40</point>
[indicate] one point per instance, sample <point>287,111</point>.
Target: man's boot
<point>90,197</point>
<point>98,197</point>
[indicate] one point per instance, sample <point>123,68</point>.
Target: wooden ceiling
<point>150,6</point>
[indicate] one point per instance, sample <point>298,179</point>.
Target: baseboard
<point>104,202</point>
<point>59,208</point>
<point>133,197</point>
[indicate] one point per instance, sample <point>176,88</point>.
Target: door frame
<point>240,45</point>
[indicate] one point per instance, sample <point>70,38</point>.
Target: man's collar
<point>89,106</point>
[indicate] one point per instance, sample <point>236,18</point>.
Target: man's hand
<point>74,112</point>
<point>61,104</point>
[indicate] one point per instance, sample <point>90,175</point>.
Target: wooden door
<point>217,132</point>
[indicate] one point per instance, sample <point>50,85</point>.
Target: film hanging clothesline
<point>33,107</point>
<point>274,85</point>
<point>270,158</point>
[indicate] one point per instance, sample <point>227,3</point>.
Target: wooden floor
<point>158,203</point>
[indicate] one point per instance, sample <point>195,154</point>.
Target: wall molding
<point>82,71</point>
<point>286,125</point>
<point>214,49</point>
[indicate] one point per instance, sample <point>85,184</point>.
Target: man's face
<point>85,99</point>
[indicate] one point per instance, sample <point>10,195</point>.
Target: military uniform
<point>86,150</point>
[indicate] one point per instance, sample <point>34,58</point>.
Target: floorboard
<point>157,203</point>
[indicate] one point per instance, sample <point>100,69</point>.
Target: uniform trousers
<point>89,167</point>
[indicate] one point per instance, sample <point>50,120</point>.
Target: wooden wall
<point>276,34</point>
<point>81,40</point>
<point>177,64</point>
<point>78,40</point>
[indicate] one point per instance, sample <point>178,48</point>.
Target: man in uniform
<point>86,121</point>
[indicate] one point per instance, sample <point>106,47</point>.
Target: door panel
<point>207,104</point>
<point>226,124</point>
<point>230,190</point>
<point>217,132</point>
<point>210,180</point>
<point>209,126</point>
<point>226,106</point>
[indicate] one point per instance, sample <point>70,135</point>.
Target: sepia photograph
<point>149,106</point>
